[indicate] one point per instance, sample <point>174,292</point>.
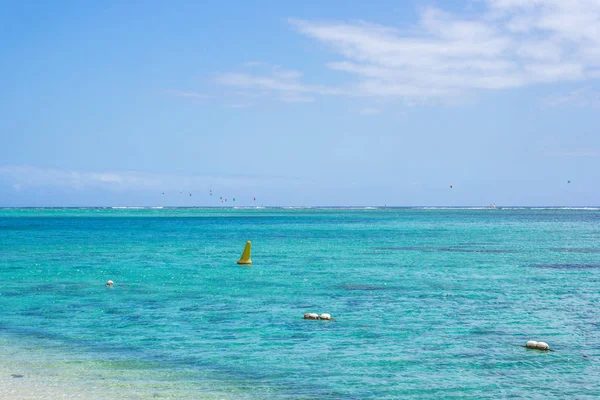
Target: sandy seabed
<point>26,381</point>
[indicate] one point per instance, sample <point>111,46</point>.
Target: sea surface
<point>428,303</point>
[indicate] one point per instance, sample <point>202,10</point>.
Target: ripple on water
<point>364,287</point>
<point>428,313</point>
<point>577,250</point>
<point>567,266</point>
<point>443,249</point>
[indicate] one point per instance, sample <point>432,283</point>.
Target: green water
<point>429,303</point>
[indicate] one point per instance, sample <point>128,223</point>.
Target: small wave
<point>127,208</point>
<point>508,208</point>
<point>580,208</point>
<point>578,250</point>
<point>364,287</point>
<point>553,208</point>
<point>567,266</point>
<point>454,208</point>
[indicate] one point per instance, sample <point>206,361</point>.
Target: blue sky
<point>300,103</point>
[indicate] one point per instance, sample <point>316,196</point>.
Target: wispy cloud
<point>369,111</point>
<point>240,105</point>
<point>295,98</point>
<point>582,97</point>
<point>251,64</point>
<point>510,44</point>
<point>572,154</point>
<point>275,83</point>
<point>24,177</point>
<point>188,94</point>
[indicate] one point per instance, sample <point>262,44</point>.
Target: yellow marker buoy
<point>245,259</point>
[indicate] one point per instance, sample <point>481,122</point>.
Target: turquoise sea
<point>429,303</point>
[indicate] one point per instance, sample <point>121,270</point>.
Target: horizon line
<point>300,206</point>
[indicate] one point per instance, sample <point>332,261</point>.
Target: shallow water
<point>428,302</point>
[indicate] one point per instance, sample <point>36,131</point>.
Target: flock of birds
<point>223,200</point>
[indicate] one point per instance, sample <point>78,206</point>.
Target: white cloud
<point>511,44</point>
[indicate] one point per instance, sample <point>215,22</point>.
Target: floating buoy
<point>110,283</point>
<point>532,344</point>
<point>543,346</point>
<point>324,316</point>
<point>245,259</point>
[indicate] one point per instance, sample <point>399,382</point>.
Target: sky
<point>323,103</point>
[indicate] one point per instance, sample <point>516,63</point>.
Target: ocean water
<point>429,303</point>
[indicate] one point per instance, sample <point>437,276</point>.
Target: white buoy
<point>532,344</point>
<point>542,346</point>
<point>110,283</point>
<point>311,316</point>
<point>325,316</point>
